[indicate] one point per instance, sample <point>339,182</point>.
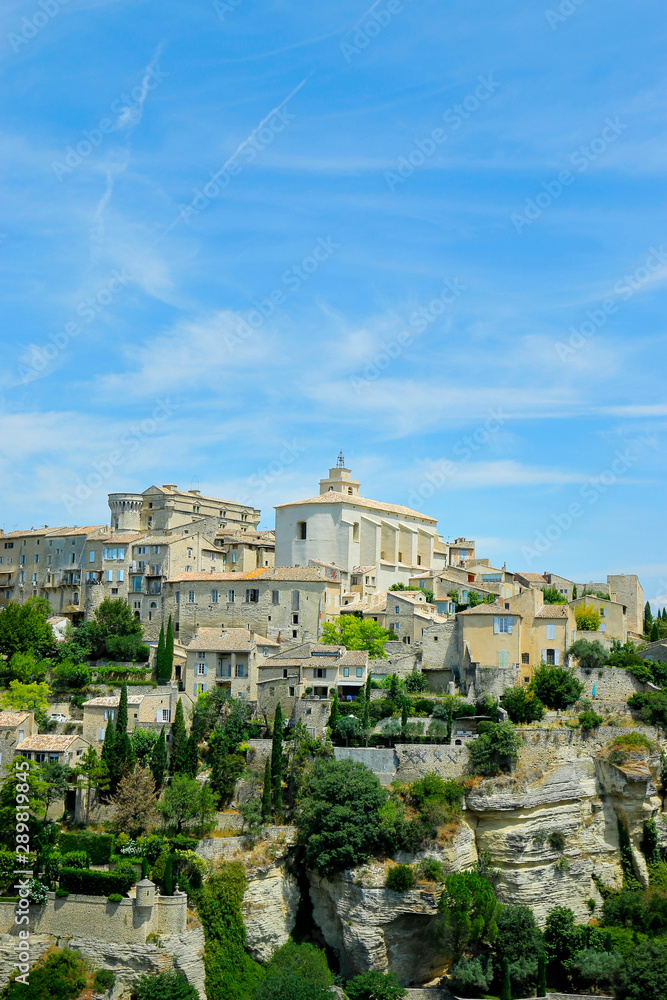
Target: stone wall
<point>124,922</point>
<point>611,683</point>
<point>555,746</point>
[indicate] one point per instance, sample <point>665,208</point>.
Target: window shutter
<point>205,671</point>
<point>557,657</point>
<point>510,625</point>
<point>158,715</point>
<point>203,687</point>
<point>496,626</point>
<point>544,656</point>
<point>100,734</point>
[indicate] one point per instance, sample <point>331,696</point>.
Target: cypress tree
<point>541,975</point>
<point>144,867</point>
<point>404,713</point>
<point>190,754</point>
<point>178,735</point>
<point>648,618</point>
<point>266,792</point>
<point>158,761</point>
<point>505,985</point>
<point>277,763</point>
<point>574,591</point>
<point>335,714</point>
<point>169,651</point>
<point>655,632</point>
<point>121,721</point>
<point>160,656</point>
<point>450,714</point>
<point>109,755</point>
<point>167,881</point>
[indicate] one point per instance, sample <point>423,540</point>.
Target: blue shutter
<point>205,670</point>
<point>496,625</point>
<point>557,657</point>
<point>510,625</point>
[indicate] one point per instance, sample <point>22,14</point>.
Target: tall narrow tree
<point>160,655</point>
<point>109,755</point>
<point>574,591</point>
<point>505,983</point>
<point>158,761</point>
<point>169,651</point>
<point>121,720</point>
<point>541,975</point>
<point>648,618</point>
<point>178,735</point>
<point>277,763</point>
<point>266,792</point>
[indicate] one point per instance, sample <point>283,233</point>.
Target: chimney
<point>196,492</point>
<point>169,486</point>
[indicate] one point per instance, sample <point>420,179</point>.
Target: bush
<point>76,859</point>
<point>98,846</point>
<point>587,618</point>
<point>555,687</point>
<point>652,707</point>
<point>115,897</point>
<point>92,883</point>
<point>471,977</point>
<point>556,840</point>
<point>431,869</point>
<point>494,751</point>
<point>71,675</point>
<point>164,986</point>
<point>590,719</point>
<point>62,893</point>
<point>374,986</point>
<point>590,655</point>
<point>296,972</point>
<point>400,878</point>
<point>423,705</point>
<point>521,705</point>
<point>60,975</point>
<point>104,980</point>
<point>432,786</point>
<point>644,976</point>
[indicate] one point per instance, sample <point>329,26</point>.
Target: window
<point>100,735</point>
<point>551,631</point>
<point>603,611</point>
<point>191,597</point>
<point>223,669</point>
<point>295,600</point>
<point>233,557</point>
<point>503,625</point>
<point>551,657</point>
<point>156,550</point>
<point>346,671</point>
<point>398,610</point>
<point>109,576</point>
<point>136,584</point>
<point>91,556</point>
<point>291,691</point>
<point>120,575</point>
<point>22,560</point>
<point>166,712</point>
<point>201,669</point>
<point>9,545</point>
<point>275,597</point>
<point>525,657</point>
<point>355,531</point>
<point>252,596</point>
<point>400,557</point>
<point>239,670</point>
<point>503,658</point>
<point>360,671</point>
<point>36,559</point>
<point>109,714</point>
<point>295,619</point>
<point>72,557</point>
<point>320,672</point>
<point>285,672</point>
<point>114,590</point>
<point>21,735</point>
<point>603,627</point>
<point>178,597</point>
<point>301,529</point>
<point>214,596</point>
<point>230,597</point>
<point>294,633</point>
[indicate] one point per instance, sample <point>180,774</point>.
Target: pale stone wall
<point>611,684</point>
<point>124,922</point>
<point>628,591</point>
<point>612,617</point>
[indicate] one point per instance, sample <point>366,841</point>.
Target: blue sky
<point>434,237</point>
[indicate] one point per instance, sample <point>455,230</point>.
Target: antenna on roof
<point>194,480</point>
<point>340,464</point>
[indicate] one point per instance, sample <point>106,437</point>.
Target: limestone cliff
<point>270,904</point>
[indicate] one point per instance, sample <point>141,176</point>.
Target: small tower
<point>340,480</point>
<point>145,894</point>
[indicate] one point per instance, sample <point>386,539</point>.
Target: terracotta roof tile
<point>353,501</point>
<point>553,611</point>
<point>10,719</point>
<point>48,741</point>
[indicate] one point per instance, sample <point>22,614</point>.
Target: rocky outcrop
<point>269,907</point>
<point>182,951</point>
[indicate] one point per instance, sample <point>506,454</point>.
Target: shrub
<point>169,985</point>
<point>495,750</point>
<point>471,977</point>
<point>587,618</point>
<point>432,786</point>
<point>298,971</point>
<point>521,705</point>
<point>400,878</point>
<point>590,655</point>
<point>37,892</point>
<point>93,883</point>
<point>644,976</point>
<point>556,840</point>
<point>652,707</point>
<point>98,846</point>
<point>374,986</point>
<point>540,836</point>
<point>590,719</point>
<point>469,911</point>
<point>104,980</point>
<point>76,859</point>
<point>60,975</point>
<point>423,705</point>
<point>555,687</point>
<point>62,893</point>
<point>464,710</point>
<point>115,897</point>
<point>431,869</point>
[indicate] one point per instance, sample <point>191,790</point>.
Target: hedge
<point>98,846</point>
<point>92,883</point>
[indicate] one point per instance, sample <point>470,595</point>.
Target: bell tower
<point>340,480</point>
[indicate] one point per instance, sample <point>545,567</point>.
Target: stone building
<point>15,727</point>
<point>627,590</point>
<point>287,604</point>
<point>225,658</point>
<point>613,618</point>
<point>150,710</point>
<point>163,508</point>
<point>53,748</point>
<point>311,670</point>
<point>347,530</point>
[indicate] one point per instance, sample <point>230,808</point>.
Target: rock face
<point>269,907</point>
<point>184,951</point>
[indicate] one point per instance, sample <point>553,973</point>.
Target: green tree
<point>375,986</point>
<point>555,687</point>
<point>574,597</point>
<point>542,972</point>
<point>134,802</point>
<point>551,596</point>
<point>59,975</point>
<point>170,985</point>
<point>522,705</point>
<point>24,629</point>
<point>121,718</point>
<point>357,633</point>
<point>178,805</point>
<point>655,632</point>
<point>494,751</point>
<point>277,763</point>
<point>587,618</point>
<point>95,773</point>
<point>28,698</point>
<point>296,972</point>
<point>266,792</point>
<point>644,975</point>
<point>648,618</point>
<point>469,913</point>
<point>338,819</point>
<point>231,974</point>
<point>169,650</point>
<point>561,940</point>
<point>187,758</point>
<point>159,656</point>
<point>57,777</point>
<point>114,617</point>
<point>226,767</point>
<point>335,711</point>
<point>31,797</point>
<point>205,802</point>
<point>520,942</point>
<point>505,985</point>
<point>591,655</point>
<point>178,735</point>
<point>143,742</point>
<point>158,762</point>
<point>109,754</point>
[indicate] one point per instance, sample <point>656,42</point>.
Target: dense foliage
<point>555,687</point>
<point>170,985</point>
<point>231,974</point>
<point>357,633</point>
<point>522,705</point>
<point>495,750</point>
<point>60,975</point>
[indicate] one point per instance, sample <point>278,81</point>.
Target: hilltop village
<point>343,757</point>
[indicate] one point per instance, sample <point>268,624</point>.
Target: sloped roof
<point>281,573</point>
<point>553,611</point>
<point>10,719</point>
<point>491,609</point>
<point>221,639</point>
<point>353,501</point>
<point>53,742</point>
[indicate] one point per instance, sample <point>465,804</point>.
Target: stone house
<point>53,748</point>
<point>564,586</point>
<point>226,658</point>
<point>15,727</point>
<point>613,618</point>
<point>311,670</point>
<point>151,710</point>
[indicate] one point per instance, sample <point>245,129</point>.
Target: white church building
<point>340,527</point>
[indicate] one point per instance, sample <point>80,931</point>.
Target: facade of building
<point>151,710</point>
<point>225,658</point>
<point>51,748</point>
<point>613,617</point>
<point>15,727</point>
<point>347,530</point>
<point>311,670</point>
<point>163,508</point>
